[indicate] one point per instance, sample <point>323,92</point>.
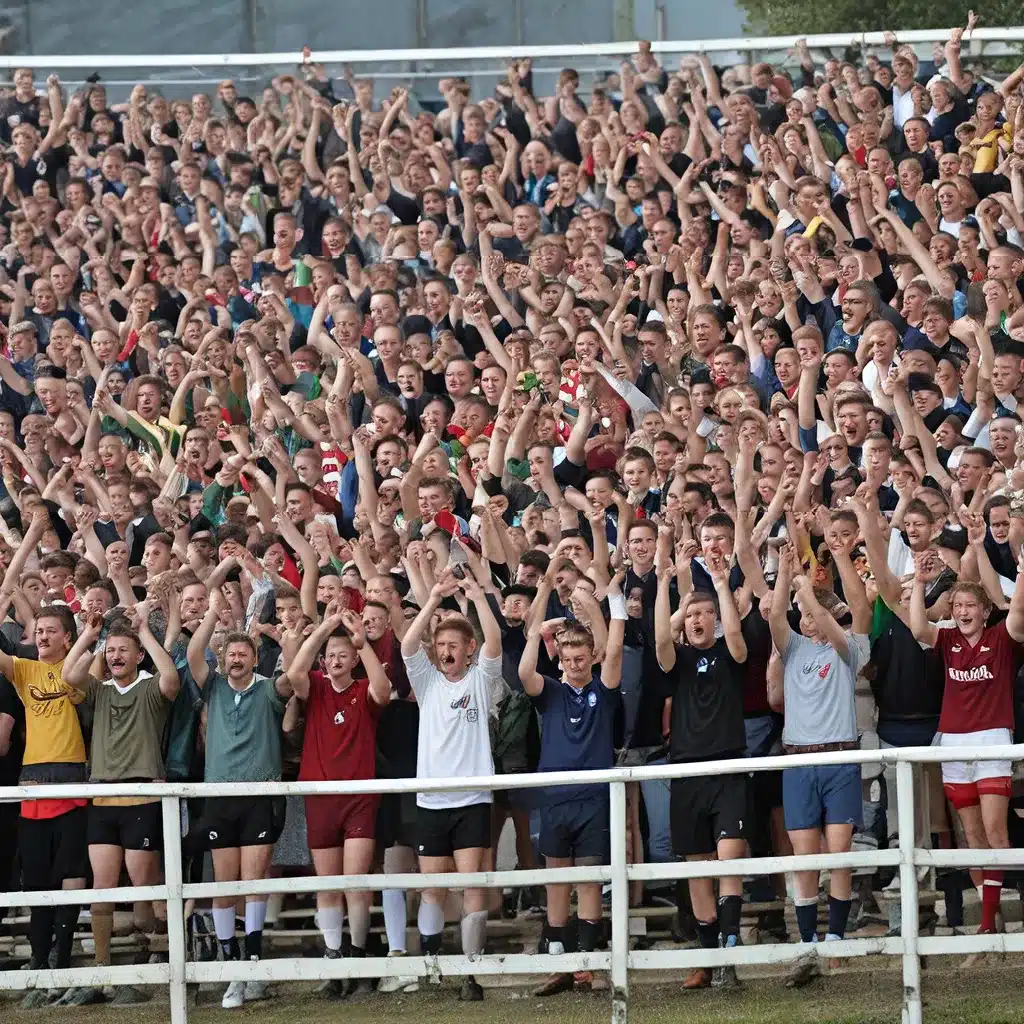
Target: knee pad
<point>964,794</point>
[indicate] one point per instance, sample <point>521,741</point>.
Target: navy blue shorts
<point>580,829</point>
<point>822,795</point>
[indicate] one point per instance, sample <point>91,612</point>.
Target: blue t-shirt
<point>577,734</point>
<point>839,339</point>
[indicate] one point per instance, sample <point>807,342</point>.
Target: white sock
<point>430,918</point>
<point>330,921</point>
<point>255,915</point>
<point>358,924</point>
<point>474,933</point>
<point>396,917</point>
<point>275,903</point>
<point>224,923</point>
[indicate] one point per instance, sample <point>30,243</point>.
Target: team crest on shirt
<point>956,648</point>
<point>592,699</point>
<point>339,718</point>
<point>702,665</point>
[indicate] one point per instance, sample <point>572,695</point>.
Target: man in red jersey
<point>340,743</point>
<point>981,663</point>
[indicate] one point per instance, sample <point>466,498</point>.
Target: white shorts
<point>966,772</point>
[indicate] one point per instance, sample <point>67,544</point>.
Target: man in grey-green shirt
<point>243,744</point>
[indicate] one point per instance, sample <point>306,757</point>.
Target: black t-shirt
<point>45,167</point>
<point>10,763</point>
<point>706,687</point>
<point>908,681</point>
<point>13,112</point>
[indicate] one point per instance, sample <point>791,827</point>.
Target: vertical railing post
<point>620,904</point>
<point>908,893</point>
<point>175,909</point>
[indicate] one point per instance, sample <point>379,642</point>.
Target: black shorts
<point>396,821</point>
<point>440,832</point>
<point>138,827</point>
<point>230,822</point>
<point>53,849</point>
<point>705,809</point>
<point>578,830</point>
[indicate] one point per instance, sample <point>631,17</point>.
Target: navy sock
<point>230,948</point>
<point>838,915</point>
<point>589,932</point>
<point>807,920</point>
<point>707,932</point>
<point>730,909</point>
<point>430,945</point>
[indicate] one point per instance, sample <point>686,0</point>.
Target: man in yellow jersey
<point>52,836</point>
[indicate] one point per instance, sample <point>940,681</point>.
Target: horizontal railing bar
<point>315,969</point>
<point>701,769</point>
<point>126,974</point>
<point>318,968</point>
<point>69,897</point>
<point>771,953</point>
<point>761,865</point>
<point>971,858</point>
<point>449,880</point>
<point>955,945</point>
<point>496,53</point>
<point>461,880</point>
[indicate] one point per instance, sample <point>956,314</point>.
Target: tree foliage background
<point>806,17</point>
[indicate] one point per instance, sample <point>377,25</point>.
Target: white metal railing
<point>499,54</point>
<point>619,960</point>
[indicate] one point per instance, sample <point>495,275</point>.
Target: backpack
<point>515,735</point>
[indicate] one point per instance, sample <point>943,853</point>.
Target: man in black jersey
<point>705,679</point>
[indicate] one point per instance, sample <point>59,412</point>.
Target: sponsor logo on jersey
<point>971,675</point>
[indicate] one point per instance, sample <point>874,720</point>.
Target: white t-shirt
<point>454,738</point>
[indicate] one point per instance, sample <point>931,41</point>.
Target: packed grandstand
<point>672,417</point>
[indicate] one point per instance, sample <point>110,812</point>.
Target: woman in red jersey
<point>981,663</point>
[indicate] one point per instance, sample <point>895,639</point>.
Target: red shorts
<point>330,820</point>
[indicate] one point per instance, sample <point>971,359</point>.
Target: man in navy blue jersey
<point>577,734</point>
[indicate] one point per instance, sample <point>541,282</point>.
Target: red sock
<point>992,887</point>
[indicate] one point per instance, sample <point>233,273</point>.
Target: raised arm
<point>445,586</point>
<point>823,620</point>
<point>1015,616</point>
<point>167,674</point>
<point>488,623</point>
<point>305,657</point>
<point>853,586</point>
<point>778,620</point>
<point>201,639</point>
<point>75,670</point>
<point>732,629</point>
<point>925,632</point>
<point>664,646</point>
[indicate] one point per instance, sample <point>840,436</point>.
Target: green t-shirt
<point>243,730</point>
<point>127,730</point>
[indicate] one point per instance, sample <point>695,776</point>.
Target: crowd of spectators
<point>671,419</point>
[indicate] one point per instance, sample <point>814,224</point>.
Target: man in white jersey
<point>455,699</point>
